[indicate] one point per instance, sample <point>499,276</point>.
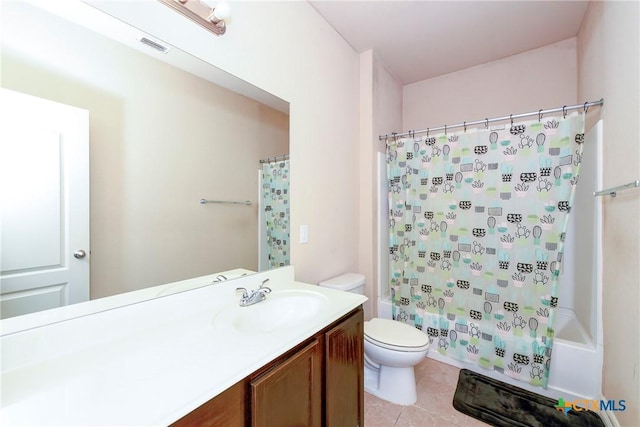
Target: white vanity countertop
<point>46,317</point>
<point>147,363</point>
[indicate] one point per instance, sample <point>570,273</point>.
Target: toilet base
<point>395,385</point>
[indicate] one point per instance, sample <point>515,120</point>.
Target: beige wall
<point>537,79</point>
<point>366,241</point>
<point>160,139</point>
<point>608,60</point>
<point>380,112</point>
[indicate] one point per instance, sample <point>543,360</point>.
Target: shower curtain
<point>477,222</point>
<point>275,194</point>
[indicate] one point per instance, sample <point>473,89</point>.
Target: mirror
<point>162,137</point>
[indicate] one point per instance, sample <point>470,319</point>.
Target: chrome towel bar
<point>613,190</point>
<point>228,202</point>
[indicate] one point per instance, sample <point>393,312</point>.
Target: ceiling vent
<point>154,44</point>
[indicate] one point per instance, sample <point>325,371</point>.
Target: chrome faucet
<point>256,295</point>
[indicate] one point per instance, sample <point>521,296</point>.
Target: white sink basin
<point>280,310</point>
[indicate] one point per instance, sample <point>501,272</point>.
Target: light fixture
<point>203,12</point>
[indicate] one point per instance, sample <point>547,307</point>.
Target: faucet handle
<point>244,292</point>
<point>265,288</point>
<point>219,278</point>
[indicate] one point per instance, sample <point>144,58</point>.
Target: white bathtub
<point>575,365</point>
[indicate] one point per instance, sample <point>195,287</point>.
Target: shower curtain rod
<point>486,122</point>
<point>275,159</point>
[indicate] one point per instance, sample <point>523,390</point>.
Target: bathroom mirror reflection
<point>160,139</point>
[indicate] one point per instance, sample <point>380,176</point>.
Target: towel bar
<point>613,190</point>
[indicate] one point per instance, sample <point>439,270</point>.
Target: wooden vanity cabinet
<point>226,409</point>
<point>318,383</point>
<point>344,372</point>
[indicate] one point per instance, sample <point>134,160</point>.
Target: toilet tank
<point>348,282</point>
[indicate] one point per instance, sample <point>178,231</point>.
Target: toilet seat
<point>395,335</point>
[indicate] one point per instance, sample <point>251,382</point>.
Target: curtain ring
<point>395,136</point>
<point>585,107</point>
<point>465,126</point>
<point>540,115</point>
<point>486,123</point>
<point>564,112</point>
<point>427,132</point>
<point>445,129</point>
<point>511,119</point>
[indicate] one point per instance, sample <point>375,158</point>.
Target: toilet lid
<point>394,333</point>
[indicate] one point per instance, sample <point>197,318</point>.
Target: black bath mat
<point>504,405</point>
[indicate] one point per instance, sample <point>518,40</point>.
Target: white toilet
<point>391,350</point>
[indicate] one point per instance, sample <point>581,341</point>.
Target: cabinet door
<point>344,373</point>
<point>227,409</point>
<point>290,394</point>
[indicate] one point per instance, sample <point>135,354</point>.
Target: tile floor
<point>436,383</point>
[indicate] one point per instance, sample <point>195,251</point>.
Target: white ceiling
<point>418,40</point>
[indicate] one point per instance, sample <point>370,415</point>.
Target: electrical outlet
<point>304,234</point>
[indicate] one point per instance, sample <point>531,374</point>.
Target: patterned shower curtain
<point>477,223</point>
<point>275,194</point>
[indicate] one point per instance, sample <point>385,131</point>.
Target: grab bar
<point>229,202</point>
<point>612,191</point>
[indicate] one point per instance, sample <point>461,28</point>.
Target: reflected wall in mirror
<point>161,139</point>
